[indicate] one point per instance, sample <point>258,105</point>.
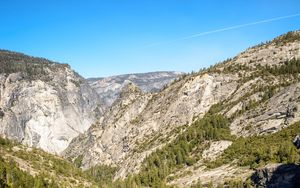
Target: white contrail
<point>226,29</point>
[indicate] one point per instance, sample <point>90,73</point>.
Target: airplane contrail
<point>226,29</point>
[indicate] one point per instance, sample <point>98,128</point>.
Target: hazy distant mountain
<point>109,88</point>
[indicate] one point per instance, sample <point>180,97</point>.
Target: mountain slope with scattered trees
<point>256,93</point>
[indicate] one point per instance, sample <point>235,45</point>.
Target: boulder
<point>297,141</point>
<point>277,175</point>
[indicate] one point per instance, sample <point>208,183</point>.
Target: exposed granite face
<point>109,88</point>
<point>277,175</point>
<point>45,110</point>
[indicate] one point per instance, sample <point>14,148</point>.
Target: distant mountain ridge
<point>110,87</point>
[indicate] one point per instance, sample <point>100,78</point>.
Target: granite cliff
<point>42,103</point>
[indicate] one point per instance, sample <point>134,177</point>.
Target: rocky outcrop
<point>278,112</point>
<point>44,109</point>
<point>216,176</point>
<point>297,141</point>
<point>109,88</point>
<point>277,175</point>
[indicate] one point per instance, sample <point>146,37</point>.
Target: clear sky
<point>109,37</point>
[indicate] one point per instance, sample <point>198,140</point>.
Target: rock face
<point>206,176</point>
<point>276,113</point>
<point>215,149</point>
<point>107,140</point>
<point>43,104</point>
<point>109,88</point>
<point>135,123</point>
<point>277,175</point>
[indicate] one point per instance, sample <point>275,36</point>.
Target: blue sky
<point>109,37</point>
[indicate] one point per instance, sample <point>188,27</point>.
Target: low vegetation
<point>257,151</point>
<point>287,38</point>
<point>291,67</point>
<point>21,166</point>
<point>12,176</point>
<point>102,173</point>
